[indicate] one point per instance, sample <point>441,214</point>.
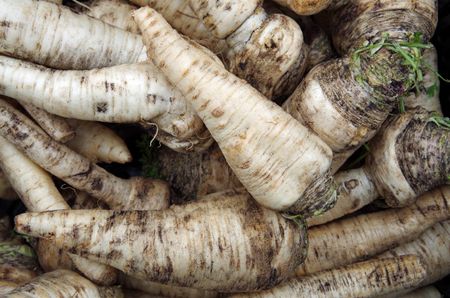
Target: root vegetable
<point>351,23</point>
<point>433,248</point>
<point>157,289</point>
<point>78,41</point>
<point>55,126</point>
<point>63,283</point>
<point>229,243</point>
<point>366,279</point>
<point>135,193</point>
<point>98,143</point>
<point>37,191</point>
<point>408,157</point>
<point>125,93</point>
<point>305,7</point>
<point>348,240</point>
<point>280,162</point>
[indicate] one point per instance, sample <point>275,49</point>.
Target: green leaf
<point>432,90</point>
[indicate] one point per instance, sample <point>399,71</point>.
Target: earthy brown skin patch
<point>423,151</point>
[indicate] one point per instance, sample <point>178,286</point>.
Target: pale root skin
<point>409,156</point>
<point>229,237</point>
<point>7,286</point>
<point>55,126</point>
<point>161,290</point>
<point>181,16</point>
<point>117,13</point>
<point>367,20</point>
<point>348,240</point>
<point>433,248</point>
<point>17,263</point>
<point>79,41</point>
<point>124,93</point>
<point>37,191</point>
<point>279,173</point>
<point>266,50</point>
<point>305,7</point>
<point>429,103</point>
<point>135,193</point>
<point>98,143</point>
<point>355,190</point>
<point>63,283</point>
<point>366,279</point>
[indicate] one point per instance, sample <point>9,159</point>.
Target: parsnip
<point>408,157</point>
<point>433,247</point>
<point>156,289</point>
<point>61,284</point>
<point>226,243</point>
<point>305,7</point>
<point>37,191</point>
<point>53,125</point>
<point>78,41</point>
<point>124,93</point>
<point>116,12</point>
<point>353,22</point>
<point>365,279</point>
<point>135,193</point>
<point>98,142</point>
<point>280,162</point>
<point>348,240</point>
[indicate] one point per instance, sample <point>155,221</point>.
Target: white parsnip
<point>114,12</point>
<point>98,143</point>
<point>229,237</point>
<point>305,7</point>
<point>78,41</point>
<point>348,240</point>
<point>124,93</point>
<point>37,191</point>
<point>55,126</point>
<point>366,279</point>
<point>290,170</point>
<point>78,171</point>
<point>61,284</point>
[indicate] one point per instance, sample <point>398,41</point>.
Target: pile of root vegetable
<point>195,148</point>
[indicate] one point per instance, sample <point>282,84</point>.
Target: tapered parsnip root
<point>37,191</point>
<point>366,279</point>
<point>18,263</point>
<point>305,7</point>
<point>280,162</point>
<point>346,241</point>
<point>229,237</point>
<point>135,193</point>
<point>433,248</point>
<point>78,41</point>
<point>63,283</point>
<point>98,142</point>
<point>55,126</point>
<point>409,157</point>
<point>352,23</point>
<point>157,289</point>
<point>125,93</point>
